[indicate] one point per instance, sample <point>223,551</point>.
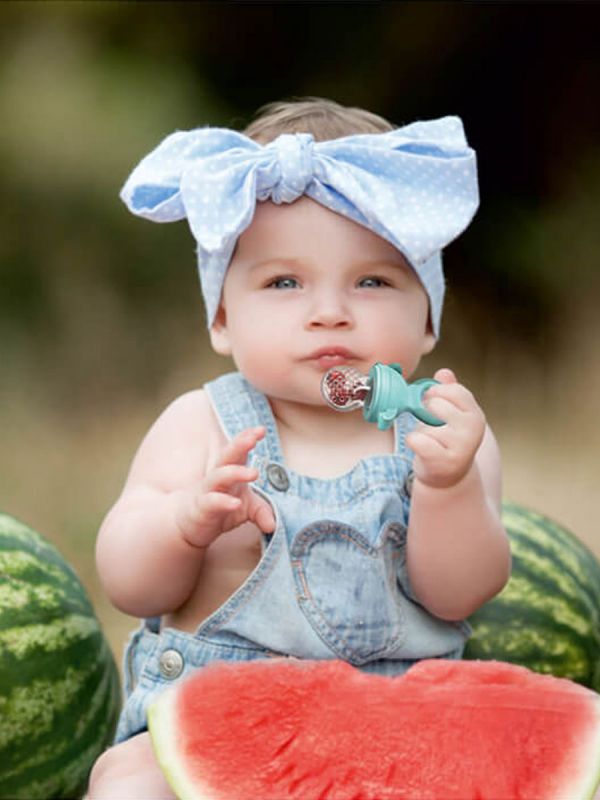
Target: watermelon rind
<point>162,724</point>
<point>547,617</point>
<point>588,784</point>
<point>59,685</point>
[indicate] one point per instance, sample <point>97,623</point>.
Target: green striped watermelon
<point>59,686</point>
<point>547,617</point>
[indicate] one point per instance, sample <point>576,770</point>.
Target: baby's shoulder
<point>190,409</point>
<point>181,443</point>
<point>191,404</point>
<point>190,417</point>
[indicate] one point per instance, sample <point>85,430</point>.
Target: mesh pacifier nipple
<point>345,388</point>
<point>383,394</point>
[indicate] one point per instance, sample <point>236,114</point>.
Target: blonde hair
<point>325,119</point>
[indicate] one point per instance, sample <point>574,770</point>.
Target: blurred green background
<point>101,320</point>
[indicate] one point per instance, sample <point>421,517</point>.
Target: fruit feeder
<point>383,394</point>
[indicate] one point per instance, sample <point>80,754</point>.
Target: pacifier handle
<point>416,391</point>
<point>391,395</point>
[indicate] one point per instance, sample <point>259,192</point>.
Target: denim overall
<point>332,580</point>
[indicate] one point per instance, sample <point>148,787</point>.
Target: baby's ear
<point>429,340</point>
<point>219,335</point>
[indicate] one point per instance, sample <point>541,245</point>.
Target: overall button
<point>170,664</point>
<point>277,477</point>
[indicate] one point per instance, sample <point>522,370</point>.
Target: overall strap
<point>238,405</point>
<point>403,425</point>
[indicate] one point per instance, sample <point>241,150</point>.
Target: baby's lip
<point>333,352</point>
<point>331,356</point>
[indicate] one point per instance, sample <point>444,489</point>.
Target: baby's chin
<point>308,399</point>
<point>312,400</point>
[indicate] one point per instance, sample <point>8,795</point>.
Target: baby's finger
<point>202,521</point>
<point>264,517</point>
<point>444,409</point>
<point>426,443</point>
<point>224,478</point>
<point>455,393</point>
<point>445,375</point>
<point>236,451</point>
<point>215,504</point>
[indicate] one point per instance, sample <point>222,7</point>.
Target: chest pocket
<point>348,589</point>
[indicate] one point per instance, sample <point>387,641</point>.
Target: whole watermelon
<point>547,617</point>
<point>59,686</point>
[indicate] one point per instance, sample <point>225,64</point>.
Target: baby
<point>255,521</point>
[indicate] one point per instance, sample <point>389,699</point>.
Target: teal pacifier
<point>383,394</point>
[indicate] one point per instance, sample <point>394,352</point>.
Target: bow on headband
<point>415,186</point>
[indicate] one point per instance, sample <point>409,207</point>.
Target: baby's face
<point>308,289</point>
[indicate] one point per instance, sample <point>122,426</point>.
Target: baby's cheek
<point>262,365</point>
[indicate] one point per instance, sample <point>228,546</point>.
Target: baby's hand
<point>444,454</point>
<point>223,500</point>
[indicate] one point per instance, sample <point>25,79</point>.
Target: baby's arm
<point>458,555</point>
<point>181,493</point>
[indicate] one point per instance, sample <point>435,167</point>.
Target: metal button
<point>277,477</point>
<point>170,664</point>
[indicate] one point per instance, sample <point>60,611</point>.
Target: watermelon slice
<point>293,730</point>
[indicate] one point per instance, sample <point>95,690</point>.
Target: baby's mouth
<point>327,357</point>
<point>328,361</point>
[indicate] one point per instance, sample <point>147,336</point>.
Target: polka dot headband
<point>415,186</point>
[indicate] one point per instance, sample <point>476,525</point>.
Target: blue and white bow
<point>415,186</point>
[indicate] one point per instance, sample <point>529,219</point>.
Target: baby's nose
<point>330,311</point>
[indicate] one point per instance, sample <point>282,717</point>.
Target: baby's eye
<point>284,282</point>
<point>372,281</point>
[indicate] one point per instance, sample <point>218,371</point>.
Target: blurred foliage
<point>88,293</point>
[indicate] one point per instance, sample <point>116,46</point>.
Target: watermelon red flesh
<point>287,730</point>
